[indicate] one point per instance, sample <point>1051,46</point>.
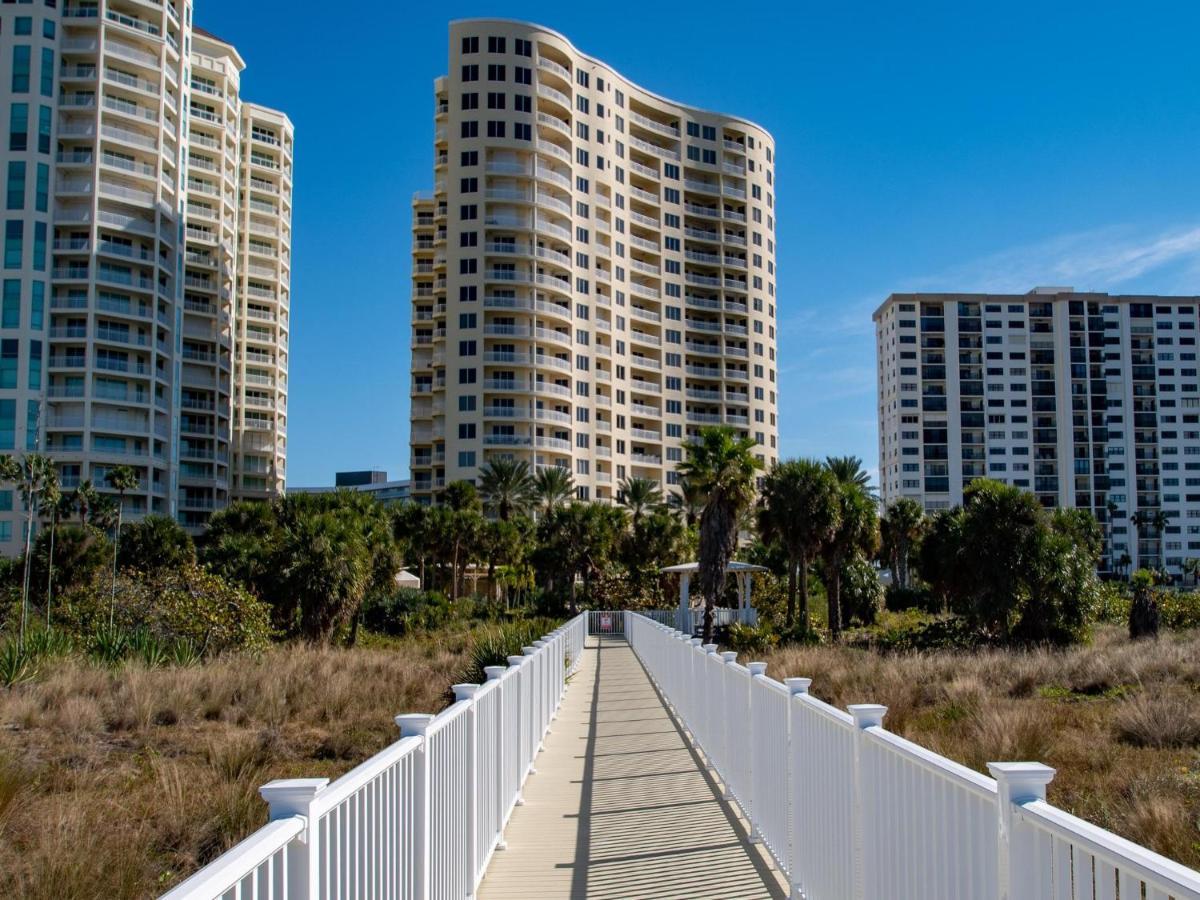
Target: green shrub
<point>1112,603</point>
<point>17,664</point>
<point>913,630</point>
<point>492,645</point>
<point>1179,610</point>
<point>108,646</point>
<point>407,610</point>
<point>185,603</point>
<point>48,643</point>
<point>898,599</point>
<point>751,638</point>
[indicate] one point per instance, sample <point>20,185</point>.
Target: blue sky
<point>937,146</point>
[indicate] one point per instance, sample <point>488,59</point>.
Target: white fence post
<point>866,715</point>
<point>288,797</point>
<point>758,670</point>
<point>728,657</point>
<point>495,673</point>
<point>416,725</point>
<point>467,692</point>
<point>518,711</point>
<point>795,687</point>
<point>1018,782</point>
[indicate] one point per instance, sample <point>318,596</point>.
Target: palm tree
<point>32,476</point>
<point>1155,520</point>
<point>120,479</point>
<point>849,470</point>
<point>85,497</point>
<point>857,532</point>
<point>553,486</point>
<point>506,486</point>
<point>639,496</point>
<point>689,500</point>
<point>799,512</point>
<point>722,466</point>
<point>1191,566</point>
<point>61,506</point>
<point>901,527</point>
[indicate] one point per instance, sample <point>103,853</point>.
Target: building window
<point>469,129</point>
<point>16,184</point>
<point>470,73</point>
<point>470,100</point>
<point>11,315</point>
<point>495,129</point>
<point>470,45</point>
<point>47,73</point>
<point>497,44</point>
<point>9,350</point>
<point>18,126</point>
<point>522,47</point>
<point>466,459</point>
<point>42,194</point>
<point>14,234</point>
<point>20,69</point>
<point>8,427</point>
<point>496,72</point>
<point>522,75</point>
<point>44,113</point>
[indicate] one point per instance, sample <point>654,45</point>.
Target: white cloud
<point>1098,259</point>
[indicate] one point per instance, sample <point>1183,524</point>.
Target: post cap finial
<point>1022,781</point>
<point>757,668</point>
<point>290,796</point>
<point>464,691</point>
<point>413,724</point>
<point>867,715</point>
<point>798,685</point>
<point>494,672</point>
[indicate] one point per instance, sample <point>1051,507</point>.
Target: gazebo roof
<point>732,567</point>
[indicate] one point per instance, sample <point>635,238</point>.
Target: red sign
<point>605,622</point>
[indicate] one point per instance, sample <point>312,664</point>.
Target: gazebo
<point>745,613</point>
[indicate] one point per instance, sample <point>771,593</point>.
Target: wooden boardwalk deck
<point>620,807</point>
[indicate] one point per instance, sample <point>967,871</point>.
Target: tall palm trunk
<point>803,578</point>
<point>50,566</point>
<point>112,603</point>
<point>29,514</point>
<point>793,564</point>
<point>834,589</point>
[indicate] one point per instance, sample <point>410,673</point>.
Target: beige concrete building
<point>264,303</point>
<point>1089,400</point>
<point>593,275</point>
<point>125,228</point>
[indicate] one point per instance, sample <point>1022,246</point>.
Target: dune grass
<point>120,782</point>
<point>1120,721</point>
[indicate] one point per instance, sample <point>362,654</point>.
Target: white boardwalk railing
<point>850,811</point>
<point>421,819</point>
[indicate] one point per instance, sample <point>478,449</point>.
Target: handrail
<point>848,809</point>
<point>420,818</point>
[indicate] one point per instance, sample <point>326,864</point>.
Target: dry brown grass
<point>119,783</point>
<point>1120,721</point>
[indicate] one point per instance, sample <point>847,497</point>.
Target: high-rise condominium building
<point>146,258</point>
<point>593,275</point>
<point>1088,400</point>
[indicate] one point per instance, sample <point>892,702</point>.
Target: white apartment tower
<point>126,220</point>
<point>594,274</point>
<point>1088,400</point>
